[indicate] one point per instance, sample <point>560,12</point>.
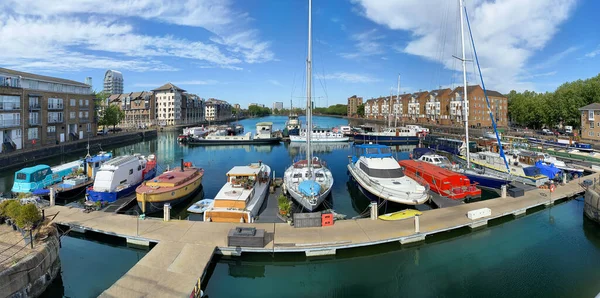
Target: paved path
<point>185,248</point>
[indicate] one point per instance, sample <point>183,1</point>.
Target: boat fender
<point>303,134</point>
<point>552,187</point>
<point>327,134</point>
<point>410,156</point>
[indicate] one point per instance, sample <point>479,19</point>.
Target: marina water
<point>549,253</point>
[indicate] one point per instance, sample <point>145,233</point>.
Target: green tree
<point>360,110</point>
<point>257,111</point>
<point>113,115</point>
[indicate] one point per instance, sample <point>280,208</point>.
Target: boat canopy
<point>33,174</point>
<point>372,151</point>
<point>309,188</point>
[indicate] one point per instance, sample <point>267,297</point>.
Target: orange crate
<point>326,219</point>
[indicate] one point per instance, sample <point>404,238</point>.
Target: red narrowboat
<point>442,181</point>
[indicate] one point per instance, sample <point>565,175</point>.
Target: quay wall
<point>21,158</point>
<point>30,276</point>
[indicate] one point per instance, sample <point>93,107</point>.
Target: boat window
<point>298,175</point>
<point>372,151</point>
<point>386,150</point>
<point>130,171</point>
<point>139,167</point>
<point>319,175</point>
<point>382,173</point>
<point>21,176</point>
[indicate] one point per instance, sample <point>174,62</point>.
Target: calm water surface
<point>551,253</point>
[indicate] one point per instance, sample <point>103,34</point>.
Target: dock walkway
<point>185,248</point>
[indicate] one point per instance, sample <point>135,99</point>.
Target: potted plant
<point>3,216</point>
<point>12,210</point>
<point>29,216</point>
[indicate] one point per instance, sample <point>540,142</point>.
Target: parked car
<point>547,132</point>
<point>115,129</point>
<point>102,131</point>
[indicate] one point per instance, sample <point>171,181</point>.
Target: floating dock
<point>177,264</point>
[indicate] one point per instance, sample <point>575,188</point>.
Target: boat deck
<point>169,179</point>
<point>185,248</point>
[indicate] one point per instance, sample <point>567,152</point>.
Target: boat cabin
<point>237,192</point>
<point>371,151</point>
<point>29,179</point>
<point>264,129</point>
<point>445,182</point>
<point>120,172</point>
<point>448,145</point>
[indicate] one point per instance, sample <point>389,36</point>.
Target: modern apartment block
<point>590,122</point>
<point>441,106</point>
<point>192,108</point>
<point>138,108</point>
<point>168,104</point>
<point>278,105</point>
<point>113,82</point>
<point>353,103</point>
<point>37,110</point>
<point>217,110</point>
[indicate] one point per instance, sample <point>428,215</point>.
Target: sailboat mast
<point>390,109</point>
<point>464,67</point>
<point>397,102</point>
<point>309,92</point>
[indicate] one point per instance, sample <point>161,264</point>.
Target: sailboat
<point>308,181</point>
<point>293,124</point>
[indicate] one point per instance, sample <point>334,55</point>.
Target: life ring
<point>355,133</point>
<point>303,134</point>
<point>552,187</point>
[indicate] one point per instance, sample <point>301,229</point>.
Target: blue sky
<point>255,50</point>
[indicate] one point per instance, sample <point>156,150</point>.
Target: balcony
<point>9,107</point>
<point>55,107</point>
<point>10,123</point>
<point>55,120</point>
<point>36,107</point>
<point>34,122</point>
<point>84,120</point>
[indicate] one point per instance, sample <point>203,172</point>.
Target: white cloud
<point>275,82</point>
<point>182,83</point>
<point>555,58</point>
<point>46,31</point>
<point>367,43</point>
<point>347,77</point>
<point>507,33</point>
<point>593,53</point>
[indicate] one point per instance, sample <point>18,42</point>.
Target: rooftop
<point>168,86</point>
<point>32,76</point>
<point>593,106</point>
<point>250,170</point>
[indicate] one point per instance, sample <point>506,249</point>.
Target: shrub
<point>28,216</point>
<point>3,206</point>
<point>281,199</point>
<point>13,209</point>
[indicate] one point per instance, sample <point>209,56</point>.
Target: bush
<point>3,206</point>
<point>281,199</point>
<point>28,216</point>
<point>13,209</point>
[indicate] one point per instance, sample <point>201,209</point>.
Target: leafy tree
<point>360,110</point>
<point>259,111</point>
<point>113,115</point>
<point>338,109</point>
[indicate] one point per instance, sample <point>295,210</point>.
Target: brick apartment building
<point>590,122</point>
<point>138,108</point>
<point>442,106</point>
<point>217,110</point>
<point>37,110</point>
<point>192,108</point>
<point>353,103</point>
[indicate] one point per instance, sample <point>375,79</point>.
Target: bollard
<point>167,212</point>
<point>503,191</point>
<point>374,210</point>
<point>52,197</point>
<point>564,178</point>
<point>417,227</point>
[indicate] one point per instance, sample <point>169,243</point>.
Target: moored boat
<point>41,176</point>
<point>308,185</point>
<point>442,181</point>
<point>172,187</point>
<point>494,163</point>
<point>292,125</point>
<point>320,135</point>
<point>201,206</point>
<point>392,135</point>
<point>264,135</point>
<point>73,185</point>
<point>240,199</point>
<point>120,176</point>
<point>379,176</point>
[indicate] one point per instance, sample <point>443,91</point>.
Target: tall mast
<point>309,92</point>
<point>390,109</point>
<point>397,102</point>
<point>464,67</point>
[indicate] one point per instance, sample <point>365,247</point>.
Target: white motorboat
<point>548,159</point>
<point>240,199</point>
<point>309,181</point>
<point>320,135</point>
<point>380,177</point>
<point>201,206</point>
<point>494,163</point>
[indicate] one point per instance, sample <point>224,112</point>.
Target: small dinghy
<point>404,214</point>
<point>201,206</point>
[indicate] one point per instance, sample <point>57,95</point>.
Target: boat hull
<point>66,195</point>
<point>299,198</point>
<point>109,197</point>
<point>153,202</point>
<point>318,140</point>
<point>364,138</point>
<point>203,142</point>
<point>486,181</point>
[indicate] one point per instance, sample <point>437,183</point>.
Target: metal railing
<point>10,123</point>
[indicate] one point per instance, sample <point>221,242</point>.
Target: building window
<point>89,127</point>
<point>51,129</point>
<point>591,133</point>
<point>72,102</point>
<point>72,115</point>
<point>87,114</point>
<point>87,102</point>
<point>80,114</point>
<point>81,102</point>
<point>55,117</point>
<point>34,102</point>
<point>592,125</point>
<point>34,118</point>
<point>591,115</point>
<point>55,103</point>
<point>10,102</point>
<point>32,133</point>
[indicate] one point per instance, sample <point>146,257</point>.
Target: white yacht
<point>380,176</point>
<point>320,135</point>
<point>264,135</point>
<point>240,199</point>
<point>523,173</point>
<point>309,181</point>
<point>308,185</point>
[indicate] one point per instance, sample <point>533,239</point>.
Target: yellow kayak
<point>404,214</point>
